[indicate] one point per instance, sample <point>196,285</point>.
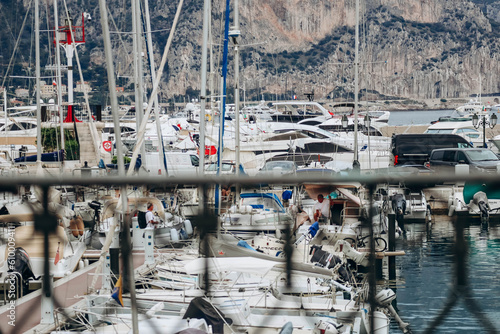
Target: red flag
<point>56,260</point>
<point>54,83</point>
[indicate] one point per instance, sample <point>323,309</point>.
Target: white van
<point>178,163</point>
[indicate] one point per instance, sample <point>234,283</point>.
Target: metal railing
<point>46,222</point>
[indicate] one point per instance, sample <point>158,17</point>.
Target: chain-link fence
<point>64,312</point>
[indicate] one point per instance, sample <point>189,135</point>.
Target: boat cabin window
<point>14,127</point>
<point>195,161</point>
<point>471,133</point>
<point>225,167</point>
<point>26,125</point>
<point>313,134</point>
<point>123,129</point>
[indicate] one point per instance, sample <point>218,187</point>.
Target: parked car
<point>415,149</point>
<point>227,167</point>
<point>478,159</point>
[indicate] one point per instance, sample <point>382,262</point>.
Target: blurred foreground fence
<point>46,222</point>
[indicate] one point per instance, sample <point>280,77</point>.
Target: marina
<point>309,214</point>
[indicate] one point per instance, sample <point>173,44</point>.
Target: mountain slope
<point>409,49</point>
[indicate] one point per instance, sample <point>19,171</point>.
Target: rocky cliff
<point>408,49</point>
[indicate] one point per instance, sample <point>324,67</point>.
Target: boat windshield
<point>284,165</point>
<point>439,131</point>
<point>265,203</point>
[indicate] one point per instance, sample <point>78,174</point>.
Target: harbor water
<point>417,117</point>
<point>425,277</point>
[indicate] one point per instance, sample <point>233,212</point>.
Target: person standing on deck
<point>150,218</point>
<point>322,210</point>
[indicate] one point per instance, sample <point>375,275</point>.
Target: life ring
<point>208,117</point>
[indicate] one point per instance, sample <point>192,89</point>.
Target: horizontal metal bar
<point>13,181</point>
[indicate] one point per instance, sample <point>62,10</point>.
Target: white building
<point>83,88</point>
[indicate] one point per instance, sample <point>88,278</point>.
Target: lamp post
<point>476,122</point>
<point>367,121</point>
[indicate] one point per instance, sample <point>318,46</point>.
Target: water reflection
<point>425,276</point>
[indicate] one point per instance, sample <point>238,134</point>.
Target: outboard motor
<point>481,200</point>
<point>22,267</point>
<point>398,202</point>
<point>328,261</point>
<point>384,298</point>
<point>96,206</point>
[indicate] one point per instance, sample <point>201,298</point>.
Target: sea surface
<point>425,277</point>
<point>417,117</point>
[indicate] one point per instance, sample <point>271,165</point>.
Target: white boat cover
<point>237,264</point>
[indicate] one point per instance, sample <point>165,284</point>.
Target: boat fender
<point>80,225</point>
<point>183,235</point>
<point>451,210</point>
<point>174,234</point>
<point>81,265</point>
<point>328,327</point>
<point>233,209</point>
<point>188,227</point>
<point>73,227</point>
<point>450,200</point>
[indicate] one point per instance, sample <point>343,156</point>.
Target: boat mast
<point>138,73</point>
<point>234,35</point>
<point>149,41</point>
<point>58,79</point>
<point>355,163</point>
<point>203,99</point>
<point>223,105</point>
<point>37,74</point>
<point>129,271</point>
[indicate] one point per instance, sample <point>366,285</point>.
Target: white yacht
<point>474,106</point>
<point>463,128</point>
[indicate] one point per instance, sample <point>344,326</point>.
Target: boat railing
<point>350,214</point>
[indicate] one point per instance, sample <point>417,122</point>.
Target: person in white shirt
<point>150,218</point>
<point>321,209</point>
